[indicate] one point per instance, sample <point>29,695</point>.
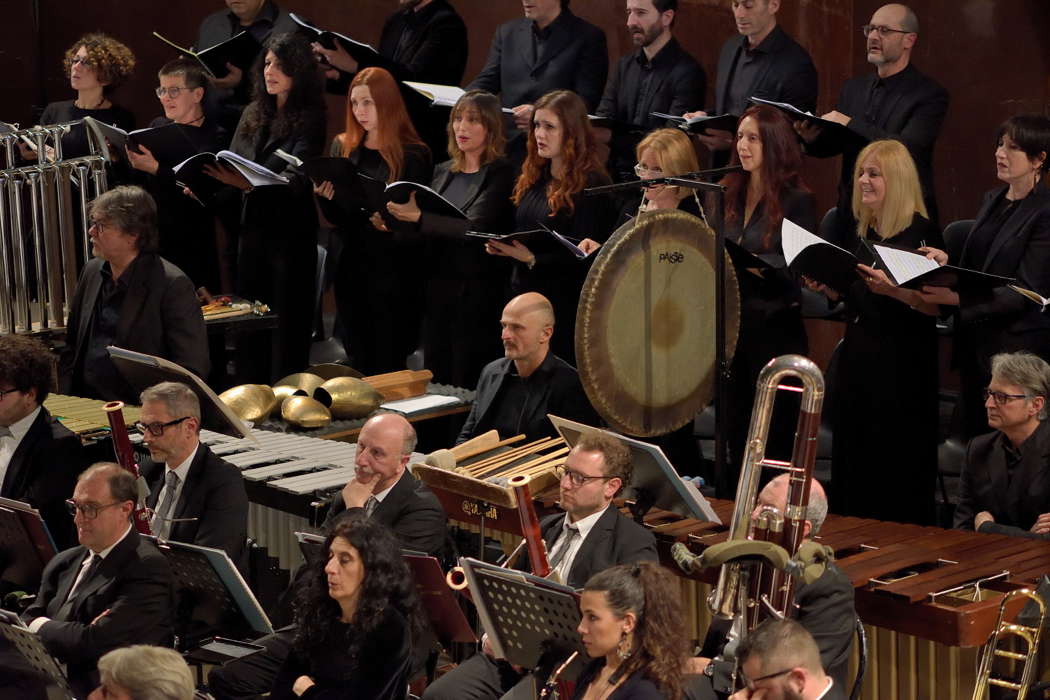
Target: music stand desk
<point>25,544</point>
<point>36,659</point>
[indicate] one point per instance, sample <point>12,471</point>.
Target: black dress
<point>557,274</point>
<point>377,290</point>
<point>770,326</point>
<point>884,412</point>
<point>75,142</point>
<point>635,687</point>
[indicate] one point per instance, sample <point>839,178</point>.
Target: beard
<point>408,4</point>
<point>645,36</point>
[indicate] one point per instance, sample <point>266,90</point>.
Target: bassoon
<point>126,459</point>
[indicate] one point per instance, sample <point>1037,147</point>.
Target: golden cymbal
<point>298,384</point>
<point>331,370</point>
<point>305,412</point>
<point>348,397</point>
<point>251,402</point>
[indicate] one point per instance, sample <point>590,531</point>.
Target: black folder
<point>904,265</point>
<point>846,137</point>
<point>239,50</point>
<point>697,125</point>
<point>365,54</point>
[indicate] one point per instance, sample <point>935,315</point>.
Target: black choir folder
<point>911,269</point>
<point>190,173</point>
<point>239,50</point>
<point>697,125</point>
<point>525,237</point>
<point>365,54</point>
<point>169,144</point>
<point>840,134</point>
<point>813,257</point>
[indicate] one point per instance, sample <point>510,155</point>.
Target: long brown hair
<point>394,128</point>
<point>781,161</point>
<point>579,150</point>
<point>487,110</point>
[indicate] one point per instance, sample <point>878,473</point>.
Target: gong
<point>645,324</point>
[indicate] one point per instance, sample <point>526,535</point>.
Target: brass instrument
<point>1029,635</point>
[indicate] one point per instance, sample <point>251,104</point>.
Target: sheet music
<point>783,105</point>
<point>795,239</point>
<point>416,404</point>
<point>445,95</point>
<point>905,266</point>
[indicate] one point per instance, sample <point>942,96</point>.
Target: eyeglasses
<point>1002,399</point>
<point>640,169</point>
<point>82,60</point>
<point>575,477</point>
<point>88,510</point>
<point>882,30</point>
<point>157,429</point>
<point>171,92</point>
<point>750,683</point>
<point>99,226</point>
<point>5,392</point>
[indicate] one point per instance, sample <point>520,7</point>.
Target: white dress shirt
<point>584,527</point>
<point>181,471</point>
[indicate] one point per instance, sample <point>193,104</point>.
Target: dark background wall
<point>991,55</point>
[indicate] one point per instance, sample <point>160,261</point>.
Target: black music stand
<point>654,481</point>
<point>25,545</point>
<point>211,597</point>
<point>23,659</point>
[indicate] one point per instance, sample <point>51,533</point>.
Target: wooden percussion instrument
<point>84,417</point>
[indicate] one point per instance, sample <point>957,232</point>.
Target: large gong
<point>645,325</point>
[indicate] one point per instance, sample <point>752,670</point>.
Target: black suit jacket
<point>554,388</point>
<point>826,611</point>
<point>134,583</point>
<point>614,539</point>
<point>788,75</point>
<point>573,57</point>
<point>1016,503</point>
<point>160,316</point>
<point>43,471</point>
<point>214,498</point>
<point>410,510</point>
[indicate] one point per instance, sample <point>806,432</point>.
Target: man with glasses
<point>196,496</point>
<point>130,297</point>
<point>1005,482</point>
<point>895,102</point>
<point>39,457</point>
<point>589,537</point>
<point>779,661</point>
<point>113,590</point>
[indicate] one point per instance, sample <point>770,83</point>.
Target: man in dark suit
<point>896,102</point>
<point>516,392</point>
<point>549,49</point>
<point>1005,482</point>
<point>779,659</point>
<point>39,457</point>
<point>590,536</point>
<point>113,590</point>
<point>196,496</point>
<point>130,297</point>
<point>762,62</point>
<point>660,76</point>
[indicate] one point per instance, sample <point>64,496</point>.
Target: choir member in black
<point>378,306</point>
<point>562,161</point>
<point>1011,237</point>
<point>357,617</point>
<point>262,19</point>
<point>887,375</point>
<point>758,199</point>
<point>663,153</point>
<point>631,626</point>
<point>187,230</point>
<point>548,49</point>
<point>660,76</point>
<point>96,65</point>
<point>277,224</point>
<point>762,62</point>
<point>424,41</point>
<point>462,285</point>
<point>895,102</point>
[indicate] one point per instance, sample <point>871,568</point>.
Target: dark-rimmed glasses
<point>866,29</point>
<point>749,683</point>
<point>5,392</point>
<point>88,510</point>
<point>575,477</point>
<point>157,429</point>
<point>1001,398</point>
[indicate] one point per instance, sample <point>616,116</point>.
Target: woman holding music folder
<point>632,630</point>
<point>884,407</point>
<point>463,287</point>
<point>357,617</point>
<point>187,230</point>
<point>766,190</point>
<point>1010,238</point>
<point>376,286</point>
<point>562,161</point>
<point>276,225</point>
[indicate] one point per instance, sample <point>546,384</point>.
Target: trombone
<point>1029,635</point>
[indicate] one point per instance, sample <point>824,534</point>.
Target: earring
<point>623,648</point>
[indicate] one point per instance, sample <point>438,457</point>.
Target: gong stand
<point>717,224</point>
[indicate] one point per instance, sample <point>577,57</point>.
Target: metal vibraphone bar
<point>40,206</point>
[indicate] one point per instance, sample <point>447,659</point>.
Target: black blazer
<point>43,471</point>
<point>214,497</point>
<point>410,510</point>
<point>574,57</point>
<point>614,539</point>
<point>788,75</point>
<point>1015,504</point>
<point>826,611</point>
<point>160,316</point>
<point>678,86</point>
<point>134,583</point>
<point>559,392</point>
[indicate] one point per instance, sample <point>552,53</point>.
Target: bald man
<point>516,392</point>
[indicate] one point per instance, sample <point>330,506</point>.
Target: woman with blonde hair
<point>665,153</point>
<point>888,357</point>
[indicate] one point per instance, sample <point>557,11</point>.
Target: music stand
<point>438,600</point>
<point>654,481</point>
<point>25,544</point>
<point>23,651</point>
<point>529,619</point>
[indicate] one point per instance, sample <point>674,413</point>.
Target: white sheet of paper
<point>426,402</point>
<point>905,266</point>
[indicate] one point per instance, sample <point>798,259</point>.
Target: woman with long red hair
<point>378,309</point>
<point>759,197</point>
<point>562,161</point>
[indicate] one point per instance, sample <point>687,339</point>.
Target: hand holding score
<point>514,250</point>
<point>227,176</point>
<point>302,684</point>
<point>337,58</point>
<point>142,159</point>
<point>231,80</point>
<point>409,211</point>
